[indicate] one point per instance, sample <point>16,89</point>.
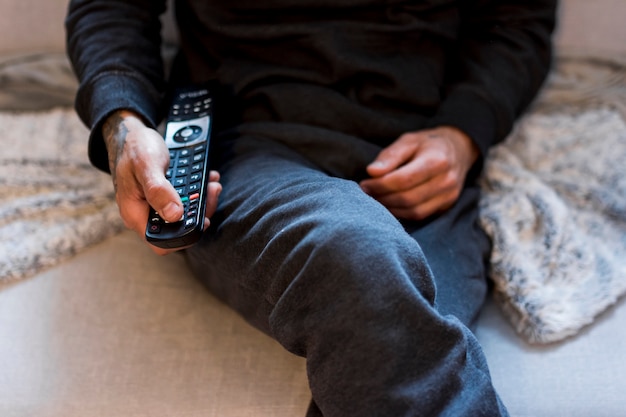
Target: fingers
<point>421,173</point>
<point>423,201</point>
<point>214,176</point>
<point>134,207</point>
<point>160,194</point>
<point>421,211</point>
<point>393,156</point>
<point>214,189</point>
<point>423,168</point>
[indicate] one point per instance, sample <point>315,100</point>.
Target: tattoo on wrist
<point>114,132</point>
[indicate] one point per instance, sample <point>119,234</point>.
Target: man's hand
<point>138,159</point>
<point>421,173</point>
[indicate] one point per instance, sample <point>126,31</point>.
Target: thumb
<point>390,158</point>
<point>162,196</point>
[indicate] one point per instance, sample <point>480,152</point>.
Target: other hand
<point>421,173</point>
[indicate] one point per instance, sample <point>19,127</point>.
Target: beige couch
<point>118,331</point>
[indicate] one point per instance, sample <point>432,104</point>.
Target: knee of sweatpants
<point>352,262</point>
<point>307,245</point>
<point>346,235</point>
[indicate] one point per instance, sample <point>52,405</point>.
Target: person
<point>349,137</point>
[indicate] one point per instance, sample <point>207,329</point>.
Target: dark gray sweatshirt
<point>373,69</point>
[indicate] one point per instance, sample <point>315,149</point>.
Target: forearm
<point>115,128</point>
<point>498,66</point>
<point>114,47</point>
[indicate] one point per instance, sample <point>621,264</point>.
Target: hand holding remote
<point>138,159</point>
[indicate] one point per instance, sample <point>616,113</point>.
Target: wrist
<point>464,142</point>
<point>115,130</point>
<point>118,119</point>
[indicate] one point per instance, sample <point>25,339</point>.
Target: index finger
<point>403,178</point>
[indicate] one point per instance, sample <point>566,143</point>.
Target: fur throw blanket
<point>554,203</point>
<point>53,203</point>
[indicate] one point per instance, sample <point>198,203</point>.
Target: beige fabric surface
<point>28,26</point>
<point>121,332</point>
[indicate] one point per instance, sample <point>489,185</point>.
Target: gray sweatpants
<point>379,309</point>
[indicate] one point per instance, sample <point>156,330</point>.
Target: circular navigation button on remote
<point>187,134</point>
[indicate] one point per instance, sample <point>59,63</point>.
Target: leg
<point>329,273</point>
<point>457,250</point>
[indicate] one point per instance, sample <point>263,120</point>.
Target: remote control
<point>187,136</point>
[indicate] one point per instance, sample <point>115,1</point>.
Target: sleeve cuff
<point>106,94</point>
<point>470,113</point>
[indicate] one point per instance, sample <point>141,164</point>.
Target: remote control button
<point>198,157</point>
<point>179,182</point>
<point>193,187</point>
<point>190,222</point>
<point>181,172</point>
<point>154,228</point>
<point>195,177</point>
<point>183,162</point>
<point>197,167</point>
<point>194,196</point>
<point>187,134</point>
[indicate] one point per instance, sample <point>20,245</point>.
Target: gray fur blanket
<point>554,199</point>
<point>554,203</point>
<point>53,203</point>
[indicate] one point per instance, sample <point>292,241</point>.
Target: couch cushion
<point>580,377</point>
<point>119,331</point>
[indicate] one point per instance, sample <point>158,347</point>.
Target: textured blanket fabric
<point>555,203</point>
<point>52,202</point>
<point>554,193</point>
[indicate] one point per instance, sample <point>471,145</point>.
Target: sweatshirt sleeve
<point>502,57</point>
<point>115,49</point>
